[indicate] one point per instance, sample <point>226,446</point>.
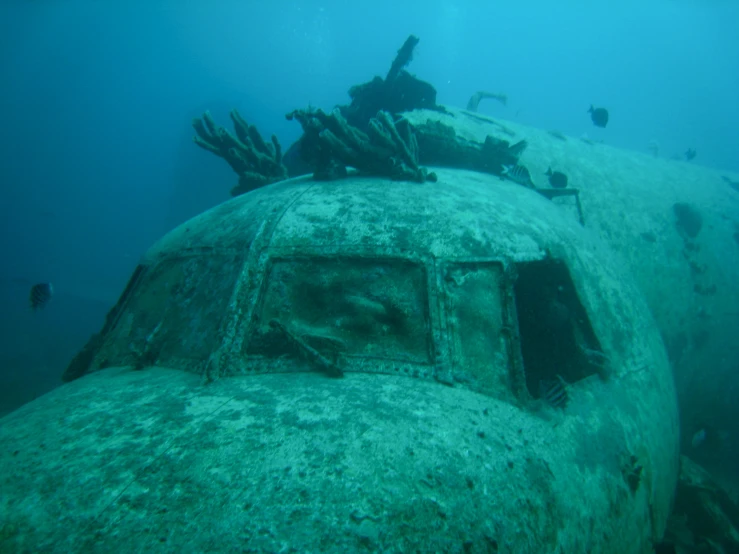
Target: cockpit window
<point>557,340</point>
<point>477,321</point>
<point>172,315</point>
<point>349,310</point>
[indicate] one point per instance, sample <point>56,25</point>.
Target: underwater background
<point>97,160</point>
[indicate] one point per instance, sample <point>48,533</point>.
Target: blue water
<point>97,162</point>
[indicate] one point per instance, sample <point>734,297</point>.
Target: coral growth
<point>255,161</point>
<point>388,148</point>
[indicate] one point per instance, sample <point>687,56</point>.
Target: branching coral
<point>255,161</point>
<point>388,148</point>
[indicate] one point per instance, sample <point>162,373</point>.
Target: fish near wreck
<point>599,116</point>
<point>518,174</point>
<point>557,179</point>
<point>40,295</point>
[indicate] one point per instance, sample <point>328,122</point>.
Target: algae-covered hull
<point>359,366</point>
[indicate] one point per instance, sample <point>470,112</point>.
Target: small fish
<point>554,393</point>
<point>41,293</point>
<point>557,179</point>
<point>599,116</point>
<point>518,174</point>
<point>690,153</point>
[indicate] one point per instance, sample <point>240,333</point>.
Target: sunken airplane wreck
<point>359,364</point>
<point>374,384</point>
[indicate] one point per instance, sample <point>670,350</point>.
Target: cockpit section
<point>500,328</point>
<point>362,314</point>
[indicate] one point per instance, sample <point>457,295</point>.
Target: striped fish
<point>553,393</point>
<point>40,295</point>
<point>518,174</point>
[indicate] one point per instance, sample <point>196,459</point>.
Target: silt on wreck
<point>355,365</point>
